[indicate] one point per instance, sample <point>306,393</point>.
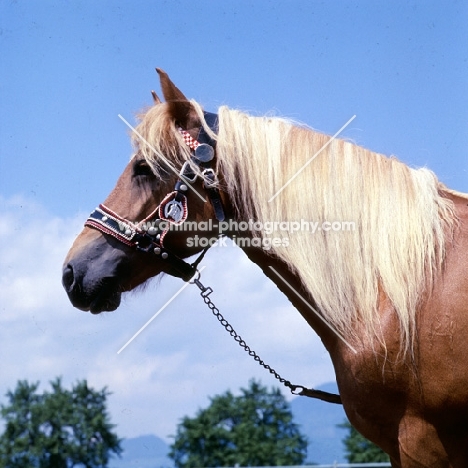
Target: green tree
<point>361,450</point>
<point>57,429</point>
<point>253,429</point>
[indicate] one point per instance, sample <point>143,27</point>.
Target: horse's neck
<point>290,285</point>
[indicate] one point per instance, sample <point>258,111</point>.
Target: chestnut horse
<point>382,278</point>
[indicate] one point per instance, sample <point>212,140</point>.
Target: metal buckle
<point>210,178</point>
<point>187,173</point>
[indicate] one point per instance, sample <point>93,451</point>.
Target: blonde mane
<point>400,218</point>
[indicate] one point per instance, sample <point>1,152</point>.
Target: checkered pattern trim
<point>189,141</point>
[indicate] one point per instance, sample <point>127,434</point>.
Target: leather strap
<point>209,175</point>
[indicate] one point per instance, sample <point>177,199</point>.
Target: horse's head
<point>141,228</point>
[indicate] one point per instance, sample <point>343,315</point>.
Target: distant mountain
<point>146,451</point>
<point>318,421</point>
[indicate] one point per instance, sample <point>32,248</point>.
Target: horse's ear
<point>179,106</point>
<point>156,99</point>
<point>170,91</point>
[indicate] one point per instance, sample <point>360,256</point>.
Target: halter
<point>148,235</point>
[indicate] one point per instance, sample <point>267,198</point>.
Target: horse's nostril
<point>68,278</point>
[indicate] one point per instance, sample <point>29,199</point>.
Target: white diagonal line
<point>140,136</point>
<point>155,315</point>
<point>314,311</point>
<point>312,158</point>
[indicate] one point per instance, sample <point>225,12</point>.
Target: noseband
<point>148,235</point>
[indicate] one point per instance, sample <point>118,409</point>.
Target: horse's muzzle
<point>87,295</point>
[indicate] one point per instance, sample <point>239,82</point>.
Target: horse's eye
<point>141,168</point>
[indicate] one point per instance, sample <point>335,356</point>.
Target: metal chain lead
<point>295,389</point>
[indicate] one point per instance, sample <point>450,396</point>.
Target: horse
<point>388,295</point>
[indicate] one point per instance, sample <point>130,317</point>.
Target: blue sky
<point>69,68</point>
